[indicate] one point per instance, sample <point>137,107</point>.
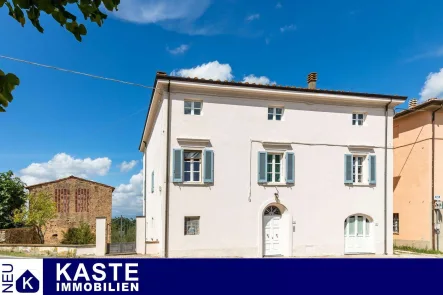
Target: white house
<point>243,170</point>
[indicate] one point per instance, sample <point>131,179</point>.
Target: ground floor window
<point>192,225</point>
<point>357,226</point>
<point>396,223</point>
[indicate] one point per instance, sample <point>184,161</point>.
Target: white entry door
<point>271,233</point>
<point>359,237</point>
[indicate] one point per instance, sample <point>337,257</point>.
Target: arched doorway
<point>271,236</point>
<point>359,234</point>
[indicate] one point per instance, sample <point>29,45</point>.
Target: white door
<point>271,233</point>
<point>359,237</point>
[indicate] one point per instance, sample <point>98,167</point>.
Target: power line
<point>75,72</point>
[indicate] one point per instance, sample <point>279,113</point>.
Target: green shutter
<point>348,168</point>
<point>177,165</point>
<point>372,169</point>
<point>290,167</point>
<point>152,182</point>
<point>208,164</point>
<point>262,166</point>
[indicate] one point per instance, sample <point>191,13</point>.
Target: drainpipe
<point>433,173</point>
<point>144,182</point>
<point>386,177</point>
<point>168,164</point>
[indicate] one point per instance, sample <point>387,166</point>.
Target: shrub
<point>81,235</point>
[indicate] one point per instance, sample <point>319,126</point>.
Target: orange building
<point>418,174</point>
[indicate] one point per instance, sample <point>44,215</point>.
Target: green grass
<point>417,250</point>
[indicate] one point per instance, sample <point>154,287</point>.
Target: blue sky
<point>61,124</point>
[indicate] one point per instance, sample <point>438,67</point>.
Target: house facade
<point>77,200</point>
<point>244,170</point>
<point>418,174</point>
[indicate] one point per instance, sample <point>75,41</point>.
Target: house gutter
<point>433,175</point>
<point>386,178</point>
<point>168,164</point>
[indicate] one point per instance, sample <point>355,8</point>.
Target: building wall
<point>155,160</point>
<point>100,205</point>
<point>439,173</point>
<point>317,204</point>
<point>412,178</point>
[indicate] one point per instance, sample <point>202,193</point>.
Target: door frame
<point>370,237</point>
<point>286,228</point>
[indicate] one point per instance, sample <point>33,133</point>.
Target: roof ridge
<point>69,177</point>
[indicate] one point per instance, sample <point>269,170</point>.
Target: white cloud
<point>258,80</point>
<point>278,5</point>
<point>211,70</point>
<point>126,166</point>
<point>252,17</point>
<point>216,71</point>
<point>179,50</point>
<point>433,86</point>
<point>437,52</point>
<point>63,165</point>
<point>288,28</point>
<point>127,199</point>
<point>176,15</point>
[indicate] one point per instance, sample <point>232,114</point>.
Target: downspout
<point>168,159</point>
<point>144,183</point>
<point>386,177</point>
<point>433,173</point>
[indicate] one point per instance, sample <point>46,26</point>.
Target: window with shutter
<point>262,167</point>
<point>152,182</point>
<point>208,162</point>
<point>290,167</point>
<point>372,169</point>
<point>177,169</point>
<point>348,169</point>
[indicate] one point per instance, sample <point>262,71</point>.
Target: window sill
<point>193,183</point>
<point>396,234</point>
<point>276,184</point>
<point>360,184</point>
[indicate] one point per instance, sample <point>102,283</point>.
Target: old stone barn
<point>76,200</point>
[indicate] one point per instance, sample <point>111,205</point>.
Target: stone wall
<point>97,203</point>
<point>25,235</point>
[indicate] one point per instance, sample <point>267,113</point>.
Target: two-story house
<point>418,173</point>
<point>245,170</point>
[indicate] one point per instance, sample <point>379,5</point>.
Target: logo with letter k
<point>27,283</point>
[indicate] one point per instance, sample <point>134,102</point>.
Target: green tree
<point>123,230</point>
<point>58,9</point>
<point>81,235</point>
<point>39,210</point>
<point>12,196</point>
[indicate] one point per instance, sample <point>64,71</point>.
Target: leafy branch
<point>21,10</point>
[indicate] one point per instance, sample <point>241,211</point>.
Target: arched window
<point>272,210</point>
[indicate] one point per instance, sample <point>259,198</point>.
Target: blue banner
<point>219,276</point>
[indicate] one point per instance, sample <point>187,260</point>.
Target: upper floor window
<point>275,113</point>
<point>357,169</point>
<point>358,119</point>
<point>193,107</point>
<point>61,199</point>
<point>274,168</point>
<point>82,200</point>
<point>360,169</point>
<point>192,167</point>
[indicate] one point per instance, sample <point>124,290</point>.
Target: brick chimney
<point>312,80</point>
<point>412,103</point>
